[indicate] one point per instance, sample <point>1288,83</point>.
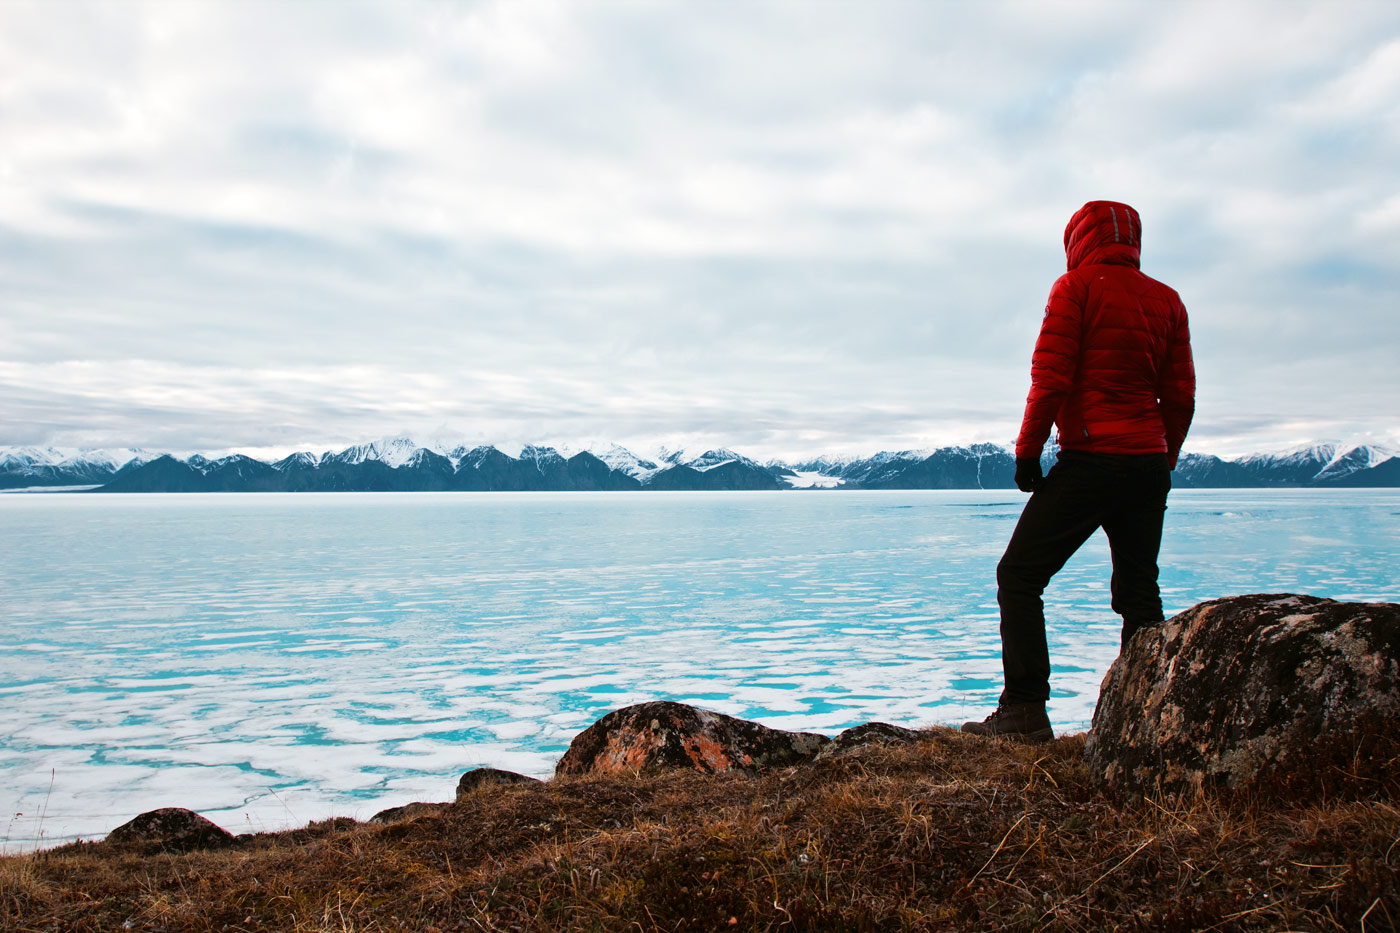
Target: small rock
<point>482,777</point>
<point>1250,690</point>
<point>662,735</point>
<point>173,829</point>
<point>872,733</point>
<point>407,812</point>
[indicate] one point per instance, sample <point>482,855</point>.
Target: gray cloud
<point>799,227</point>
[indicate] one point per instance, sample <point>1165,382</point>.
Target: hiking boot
<point>1023,722</point>
<point>1132,626</point>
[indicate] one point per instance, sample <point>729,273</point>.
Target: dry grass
<point>953,833</point>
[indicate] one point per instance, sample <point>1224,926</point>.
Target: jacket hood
<point>1103,232</point>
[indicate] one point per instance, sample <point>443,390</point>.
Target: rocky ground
<point>948,832</point>
<point>1241,775</point>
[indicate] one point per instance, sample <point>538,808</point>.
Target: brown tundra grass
<point>954,833</point>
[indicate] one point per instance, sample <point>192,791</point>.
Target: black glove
<point>1028,475</point>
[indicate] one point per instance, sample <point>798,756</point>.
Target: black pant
<point>1126,495</point>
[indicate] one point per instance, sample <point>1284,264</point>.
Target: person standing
<point>1112,370</point>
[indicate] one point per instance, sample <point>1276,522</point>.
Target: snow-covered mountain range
<point>1322,464</point>
<point>401,463</point>
<point>65,466</point>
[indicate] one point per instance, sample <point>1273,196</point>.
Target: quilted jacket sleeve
<point>1054,363</point>
<point>1176,391</point>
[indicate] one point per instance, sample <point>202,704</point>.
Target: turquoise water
<point>272,659</point>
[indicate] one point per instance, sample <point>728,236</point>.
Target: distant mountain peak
<point>623,460</point>
<point>717,457</point>
<point>300,459</point>
<point>1323,452</point>
<point>539,453</point>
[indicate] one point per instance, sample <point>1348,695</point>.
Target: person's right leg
<point>1060,516</point>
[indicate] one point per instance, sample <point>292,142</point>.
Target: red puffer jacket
<point>1112,367</point>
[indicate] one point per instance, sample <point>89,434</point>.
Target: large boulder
<point>662,735</point>
<point>1251,692</point>
<point>173,829</point>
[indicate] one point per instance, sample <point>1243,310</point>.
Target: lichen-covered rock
<point>662,735</point>
<point>483,777</point>
<point>872,733</point>
<point>173,829</point>
<point>1249,691</point>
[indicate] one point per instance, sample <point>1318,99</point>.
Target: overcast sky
<point>789,227</point>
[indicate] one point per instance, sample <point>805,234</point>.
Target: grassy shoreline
<point>948,833</point>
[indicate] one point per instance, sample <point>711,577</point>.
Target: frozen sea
<point>273,659</point>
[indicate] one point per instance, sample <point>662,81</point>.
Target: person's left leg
<point>1134,530</point>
